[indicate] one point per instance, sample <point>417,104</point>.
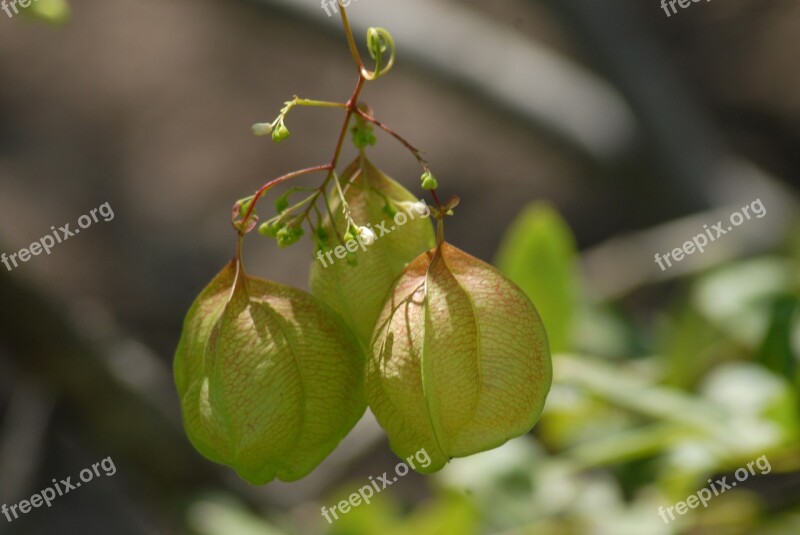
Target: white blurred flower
<point>420,207</point>
<point>366,235</point>
<point>262,129</point>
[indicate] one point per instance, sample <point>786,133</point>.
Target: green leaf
<point>460,361</point>
<point>270,380</point>
<point>356,289</point>
<point>539,254</point>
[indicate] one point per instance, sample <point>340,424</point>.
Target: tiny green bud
<point>322,234</point>
<point>429,181</point>
<point>271,229</point>
<point>262,129</point>
<point>280,133</point>
<point>298,232</point>
<point>363,136</point>
<point>244,205</point>
<point>289,236</point>
<point>282,203</point>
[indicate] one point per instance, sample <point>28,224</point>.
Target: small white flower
<point>262,129</point>
<point>366,235</point>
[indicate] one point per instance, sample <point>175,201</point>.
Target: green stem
<point>345,208</point>
<point>351,42</point>
<point>319,103</point>
<point>333,218</point>
<point>297,101</point>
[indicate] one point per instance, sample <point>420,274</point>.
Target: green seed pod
<point>357,289</point>
<point>280,133</point>
<point>460,361</point>
<point>270,380</point>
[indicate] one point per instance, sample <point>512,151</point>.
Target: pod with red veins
<point>270,379</point>
<point>357,288</point>
<point>460,361</point>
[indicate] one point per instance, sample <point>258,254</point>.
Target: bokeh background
<point>583,137</point>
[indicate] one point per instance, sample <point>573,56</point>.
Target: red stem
<point>294,174</point>
<point>414,150</point>
<point>436,198</point>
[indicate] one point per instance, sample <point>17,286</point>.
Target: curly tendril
<point>379,40</point>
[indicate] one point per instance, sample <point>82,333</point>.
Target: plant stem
<point>436,198</point>
<point>318,103</point>
<point>266,187</point>
<point>351,42</point>
<point>351,107</point>
<point>415,151</point>
<point>297,101</point>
